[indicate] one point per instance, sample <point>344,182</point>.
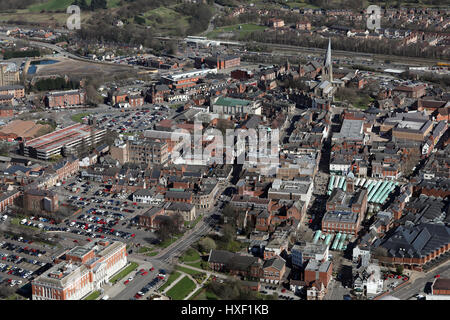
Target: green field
<point>124,272</point>
<point>181,289</point>
<point>174,276</point>
<point>166,19</point>
<point>93,296</point>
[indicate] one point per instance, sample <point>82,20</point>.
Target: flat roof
<point>61,137</point>
<point>351,129</point>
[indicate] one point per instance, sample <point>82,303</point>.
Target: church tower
<point>327,70</point>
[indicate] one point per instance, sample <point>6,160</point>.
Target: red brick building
<point>67,168</point>
<point>35,200</point>
<point>7,199</point>
<point>441,286</point>
<point>6,111</point>
<point>147,220</point>
<point>273,270</point>
<point>220,62</point>
<point>15,90</point>
<point>318,272</point>
<point>65,98</point>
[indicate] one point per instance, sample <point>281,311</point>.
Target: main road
<point>418,286</point>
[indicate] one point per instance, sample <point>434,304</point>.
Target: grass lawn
<point>93,296</point>
<point>174,276</point>
<point>79,117</point>
<point>188,270</point>
<point>152,254</point>
<point>203,294</point>
<point>181,289</point>
<point>16,221</point>
<point>197,264</point>
<point>124,272</point>
<point>144,249</point>
<point>169,241</point>
<point>190,255</point>
<point>192,224</point>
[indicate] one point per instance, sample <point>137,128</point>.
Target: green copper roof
<point>226,101</point>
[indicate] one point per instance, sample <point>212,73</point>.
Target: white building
<point>149,196</point>
<point>369,279</point>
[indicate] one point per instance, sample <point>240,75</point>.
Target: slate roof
<point>416,241</point>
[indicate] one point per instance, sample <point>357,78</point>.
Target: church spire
<point>328,56</point>
<point>327,70</point>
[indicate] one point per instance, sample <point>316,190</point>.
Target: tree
<point>223,125</point>
<point>169,226</point>
<point>207,244</point>
<point>98,4</point>
<point>4,149</point>
<point>229,233</point>
<point>400,269</point>
<point>6,291</point>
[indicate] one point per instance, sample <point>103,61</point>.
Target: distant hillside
<point>141,19</point>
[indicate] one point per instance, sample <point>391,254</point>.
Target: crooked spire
<point>328,56</point>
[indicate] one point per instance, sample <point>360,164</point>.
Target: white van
<point>105,297</point>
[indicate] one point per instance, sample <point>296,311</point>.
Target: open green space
<point>93,296</point>
<point>168,242</point>
<point>79,117</point>
<point>182,289</point>
<point>124,272</point>
<point>187,270</point>
<point>197,264</point>
<point>192,224</point>
<point>166,19</point>
<point>190,255</point>
<point>174,276</point>
<point>16,221</point>
<point>203,294</point>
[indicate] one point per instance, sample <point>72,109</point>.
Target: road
<point>419,284</point>
<point>66,54</point>
<point>202,228</point>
